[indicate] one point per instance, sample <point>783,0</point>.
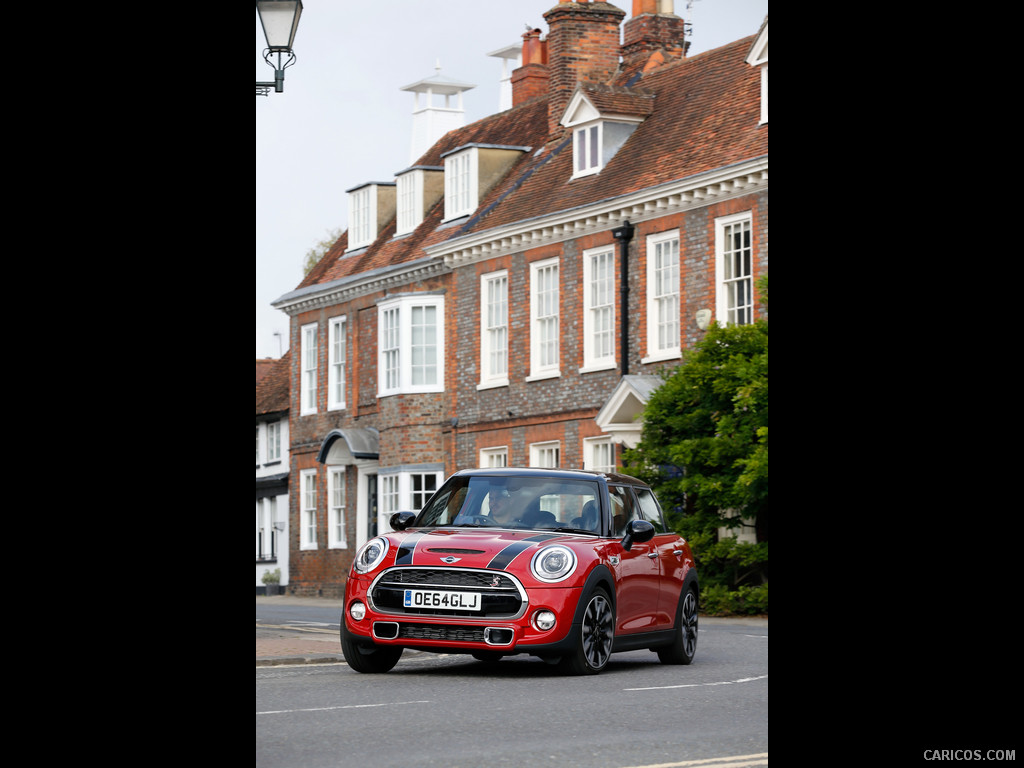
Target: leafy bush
<point>717,600</point>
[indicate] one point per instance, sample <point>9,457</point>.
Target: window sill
<point>491,384</point>
<point>658,357</point>
<point>607,366</point>
<point>544,375</point>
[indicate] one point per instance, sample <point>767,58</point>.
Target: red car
<point>566,565</point>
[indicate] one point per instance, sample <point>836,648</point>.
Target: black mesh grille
<point>441,632</point>
<point>500,595</point>
<point>440,577</point>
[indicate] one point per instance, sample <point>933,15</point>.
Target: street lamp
<point>280,19</point>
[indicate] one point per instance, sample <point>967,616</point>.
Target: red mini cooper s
<point>566,565</point>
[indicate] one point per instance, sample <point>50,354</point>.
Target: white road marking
<point>697,685</point>
<point>347,706</point>
<point>738,761</point>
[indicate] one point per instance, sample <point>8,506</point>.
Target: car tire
<point>684,645</point>
<point>364,656</point>
<point>592,647</point>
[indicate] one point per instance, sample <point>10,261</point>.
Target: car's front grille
<point>501,596</point>
<point>441,632</point>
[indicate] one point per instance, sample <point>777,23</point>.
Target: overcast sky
<point>342,119</point>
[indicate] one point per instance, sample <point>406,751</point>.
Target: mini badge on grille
<point>450,559</point>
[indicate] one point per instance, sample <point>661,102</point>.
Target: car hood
<point>470,547</point>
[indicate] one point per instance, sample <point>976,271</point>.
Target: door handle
<point>652,555</point>
<point>677,552</point>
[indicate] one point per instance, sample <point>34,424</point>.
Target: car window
<point>623,509</point>
<point>651,509</point>
<point>539,503</point>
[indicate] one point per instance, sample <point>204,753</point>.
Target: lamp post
<point>280,19</point>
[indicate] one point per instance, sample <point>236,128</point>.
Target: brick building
<point>512,296</point>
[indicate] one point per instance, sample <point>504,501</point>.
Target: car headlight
<point>553,563</point>
<point>371,554</point>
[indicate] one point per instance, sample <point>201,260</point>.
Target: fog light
<point>357,611</point>
<point>544,620</point>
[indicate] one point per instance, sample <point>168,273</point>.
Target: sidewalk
<point>280,645</point>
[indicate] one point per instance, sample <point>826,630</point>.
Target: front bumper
<point>503,625</point>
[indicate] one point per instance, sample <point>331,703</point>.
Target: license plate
<point>437,598</point>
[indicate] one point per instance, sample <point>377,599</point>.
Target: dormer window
<point>370,206</point>
<point>586,150</point>
<point>418,189</point>
<point>758,57</point>
<point>601,119</point>
<point>469,173</point>
<point>460,183</point>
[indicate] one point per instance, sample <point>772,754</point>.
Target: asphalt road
<point>453,711</point>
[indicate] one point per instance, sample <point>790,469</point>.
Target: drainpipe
<point>624,234</point>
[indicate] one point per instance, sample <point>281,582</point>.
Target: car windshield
<point>539,503</point>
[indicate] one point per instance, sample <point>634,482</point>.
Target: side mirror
<point>636,531</point>
<point>402,520</point>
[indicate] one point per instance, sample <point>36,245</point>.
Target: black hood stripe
<point>407,548</point>
<point>502,560</point>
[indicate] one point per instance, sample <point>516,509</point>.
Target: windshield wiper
<point>569,530</point>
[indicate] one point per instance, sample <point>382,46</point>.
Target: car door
<point>637,593</point>
<point>671,565</point>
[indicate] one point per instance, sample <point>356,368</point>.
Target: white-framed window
<point>663,336</point>
<point>308,369</point>
<point>599,454</point>
<point>405,489</point>
<point>336,350</point>
<point>599,309</point>
<point>421,487</point>
<point>734,269</point>
<point>460,183</point>
<point>257,445</point>
<point>411,330</point>
<point>410,192</point>
<point>494,457</point>
<point>336,495</point>
<point>307,509</point>
<point>494,329</point>
<point>544,312</point>
<point>586,149</point>
<point>273,441</point>
<point>266,535</point>
<point>362,206</point>
<point>545,454</point>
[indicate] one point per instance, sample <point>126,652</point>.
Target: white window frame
<point>337,350</point>
<point>543,454</point>
<point>308,369</point>
<point>494,335</point>
<point>398,492</point>
<point>273,441</point>
<point>257,445</point>
<point>307,509</point>
<point>541,366</point>
<point>337,537</point>
<point>598,309</point>
<point>599,454</point>
<point>362,216</point>
<point>409,202</point>
<point>494,457</point>
<point>397,349</point>
<point>664,298</point>
<point>461,185</point>
<point>734,293</point>
<point>587,152</point>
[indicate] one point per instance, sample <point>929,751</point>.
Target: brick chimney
<point>531,79</point>
<point>654,35</point>
<point>582,47</point>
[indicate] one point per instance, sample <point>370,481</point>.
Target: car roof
<point>567,474</point>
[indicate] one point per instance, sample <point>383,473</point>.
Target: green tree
<point>314,254</point>
<point>704,448</point>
